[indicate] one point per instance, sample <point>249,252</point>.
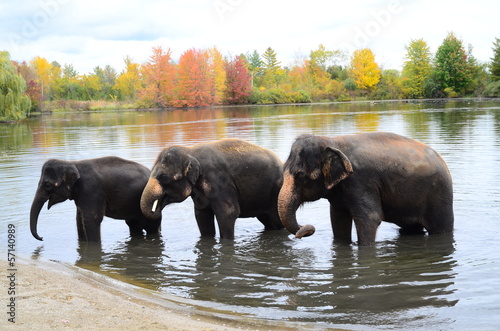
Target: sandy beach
<point>51,295</point>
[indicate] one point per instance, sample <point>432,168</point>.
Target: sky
<point>91,33</point>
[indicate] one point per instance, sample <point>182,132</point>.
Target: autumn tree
<point>33,88</point>
<point>364,70</point>
<point>43,70</point>
<point>417,68</point>
<point>451,67</point>
<point>14,103</point>
<point>216,68</point>
<point>238,81</point>
<point>159,75</point>
<point>90,86</point>
<point>129,82</point>
<point>194,82</point>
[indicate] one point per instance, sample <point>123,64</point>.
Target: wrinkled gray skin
<point>368,178</point>
<point>107,186</point>
<point>227,179</point>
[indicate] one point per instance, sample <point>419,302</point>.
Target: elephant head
<point>55,185</point>
<point>172,179</point>
<point>311,170</point>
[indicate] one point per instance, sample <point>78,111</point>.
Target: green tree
<point>254,66</point>
<point>14,103</point>
<point>417,68</point>
<point>451,66</point>
<point>495,61</point>
<point>107,77</point>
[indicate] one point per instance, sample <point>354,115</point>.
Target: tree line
<point>204,77</point>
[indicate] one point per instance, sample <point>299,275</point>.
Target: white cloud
<point>94,33</point>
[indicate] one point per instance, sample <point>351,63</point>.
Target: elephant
<point>228,178</point>
<point>368,178</point>
<point>106,186</point>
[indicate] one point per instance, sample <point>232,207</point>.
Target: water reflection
<point>338,284</point>
<point>401,283</point>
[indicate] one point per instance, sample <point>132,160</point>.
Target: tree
<point>416,69</point>
<point>238,81</point>
<point>159,75</point>
<point>43,70</point>
<point>33,89</point>
<point>129,82</point>
<point>271,68</point>
<point>255,65</point>
<point>218,75</point>
<point>495,61</point>
<point>194,83</point>
<point>451,67</point>
<point>14,103</point>
<point>364,70</point>
<point>107,77</point>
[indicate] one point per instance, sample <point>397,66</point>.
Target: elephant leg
<point>415,228</point>
<point>205,220</point>
<point>152,227</point>
<point>341,220</point>
<point>135,227</point>
<point>367,215</point>
<point>80,226</point>
<point>439,219</point>
<point>226,212</point>
<point>271,220</point>
<point>90,224</point>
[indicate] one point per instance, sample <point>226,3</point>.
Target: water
<point>443,283</point>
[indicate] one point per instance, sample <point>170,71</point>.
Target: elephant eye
<point>165,179</point>
<point>47,186</point>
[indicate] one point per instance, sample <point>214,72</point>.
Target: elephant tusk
<point>154,206</point>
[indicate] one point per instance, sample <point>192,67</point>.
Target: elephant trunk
<point>288,203</point>
<point>150,199</point>
<point>36,207</point>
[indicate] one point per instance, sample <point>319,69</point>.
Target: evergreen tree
<point>270,62</point>
<point>495,61</point>
<point>271,69</point>
<point>14,103</point>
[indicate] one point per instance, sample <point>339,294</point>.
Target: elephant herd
<point>367,178</point>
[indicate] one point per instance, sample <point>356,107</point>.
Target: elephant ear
<point>193,170</point>
<point>70,176</point>
<point>336,167</point>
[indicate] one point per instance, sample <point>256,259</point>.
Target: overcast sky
<point>90,33</point>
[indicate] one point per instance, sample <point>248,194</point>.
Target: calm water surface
<point>439,283</point>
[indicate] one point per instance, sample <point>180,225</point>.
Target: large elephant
<point>107,186</point>
<point>229,178</point>
<point>368,178</point>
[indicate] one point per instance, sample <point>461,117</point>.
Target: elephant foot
<point>305,231</point>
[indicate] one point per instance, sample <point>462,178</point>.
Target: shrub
<point>492,90</point>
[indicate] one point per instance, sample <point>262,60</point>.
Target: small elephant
<point>229,178</point>
<point>368,178</point>
<point>107,186</point>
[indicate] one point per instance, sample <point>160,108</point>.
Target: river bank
<point>51,295</point>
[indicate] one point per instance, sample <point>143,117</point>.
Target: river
<point>419,283</point>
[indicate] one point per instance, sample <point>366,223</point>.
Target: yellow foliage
<point>43,70</point>
<point>365,71</point>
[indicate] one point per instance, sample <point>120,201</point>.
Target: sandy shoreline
<point>51,295</point>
